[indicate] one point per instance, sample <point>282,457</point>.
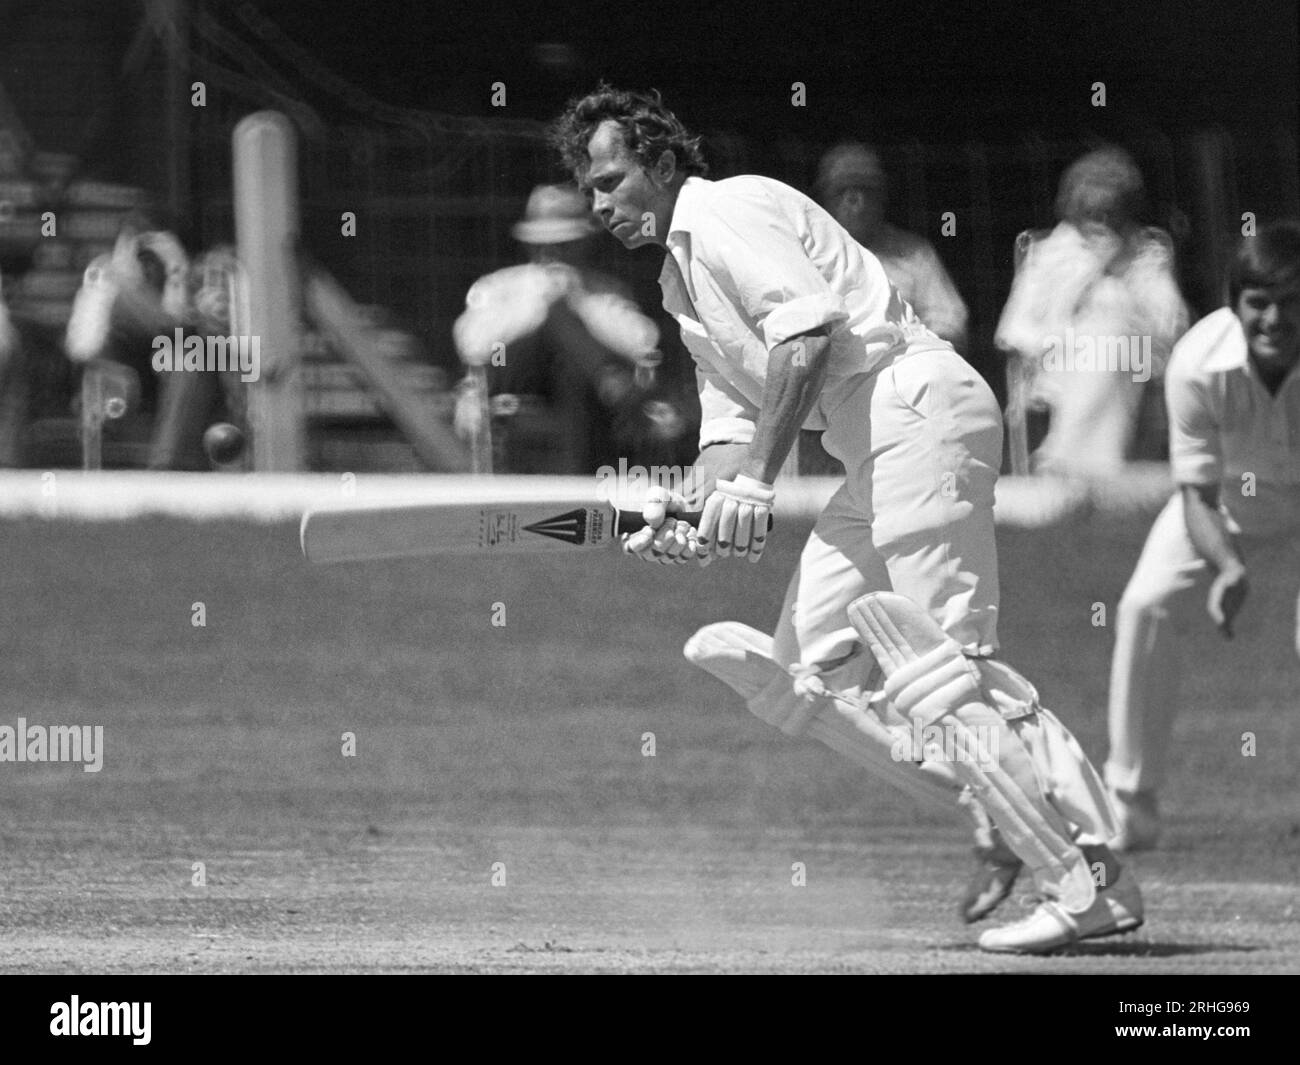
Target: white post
<point>266,232</point>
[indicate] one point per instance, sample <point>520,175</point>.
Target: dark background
<point>977,108</point>
<point>946,70</point>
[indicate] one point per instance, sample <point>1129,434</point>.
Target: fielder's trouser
<point>921,443</point>
<point>1165,599</point>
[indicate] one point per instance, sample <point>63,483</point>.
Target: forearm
<point>1207,529</point>
<point>796,370</point>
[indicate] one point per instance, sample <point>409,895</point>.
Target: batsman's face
<point>1271,320</point>
<point>631,202</point>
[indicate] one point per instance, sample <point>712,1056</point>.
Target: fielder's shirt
<point>753,263</point>
<point>1226,429</point>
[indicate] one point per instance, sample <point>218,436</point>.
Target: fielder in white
<point>1233,395</point>
<point>793,324</point>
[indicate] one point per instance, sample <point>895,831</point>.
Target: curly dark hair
<point>1270,259</point>
<point>649,129</point>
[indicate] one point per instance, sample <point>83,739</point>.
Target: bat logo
<point>571,527</point>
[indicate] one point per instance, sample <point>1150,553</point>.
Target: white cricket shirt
<point>1224,424</point>
<point>753,263</point>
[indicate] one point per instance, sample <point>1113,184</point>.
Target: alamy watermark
<point>77,1018</point>
<point>947,741</point>
<point>1098,353</point>
<point>195,353</point>
<point>626,482</point>
<point>53,743</point>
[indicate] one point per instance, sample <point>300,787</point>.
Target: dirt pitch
<point>523,745</point>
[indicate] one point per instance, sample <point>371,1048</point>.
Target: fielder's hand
<point>665,539</point>
<point>1227,595</point>
<point>735,519</point>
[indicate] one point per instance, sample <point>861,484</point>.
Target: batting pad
<point>929,679</point>
<point>741,657</point>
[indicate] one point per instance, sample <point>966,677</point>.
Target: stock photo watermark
<point>82,744</point>
<point>1092,353</point>
<point>196,354</point>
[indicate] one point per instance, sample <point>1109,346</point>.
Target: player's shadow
<point>1140,949</point>
<point>1132,948</point>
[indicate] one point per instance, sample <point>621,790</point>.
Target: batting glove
<point>665,539</point>
<point>735,519</point>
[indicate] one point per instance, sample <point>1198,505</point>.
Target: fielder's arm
<point>796,370</point>
<point>1209,534</point>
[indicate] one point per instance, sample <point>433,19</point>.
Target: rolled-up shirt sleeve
<point>751,250</point>
<point>1195,439</point>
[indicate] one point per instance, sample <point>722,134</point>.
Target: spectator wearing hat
<point>852,186</point>
<point>564,346</point>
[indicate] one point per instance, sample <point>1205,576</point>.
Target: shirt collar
<point>686,211</point>
<point>690,202</point>
<point>1230,353</point>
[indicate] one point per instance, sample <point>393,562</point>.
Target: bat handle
<point>629,521</point>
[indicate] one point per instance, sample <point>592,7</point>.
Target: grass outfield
<point>523,745</point>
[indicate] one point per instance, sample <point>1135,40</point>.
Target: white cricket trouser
<point>1167,595</point>
<point>921,443</point>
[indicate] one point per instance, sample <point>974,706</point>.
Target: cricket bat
<point>359,533</point>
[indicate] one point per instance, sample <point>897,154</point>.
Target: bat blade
<point>359,533</point>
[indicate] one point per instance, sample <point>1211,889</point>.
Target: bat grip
<point>629,521</point>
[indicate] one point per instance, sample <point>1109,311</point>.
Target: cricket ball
<point>223,443</point>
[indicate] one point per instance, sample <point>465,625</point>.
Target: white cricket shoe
<point>1117,909</point>
<point>1138,819</point>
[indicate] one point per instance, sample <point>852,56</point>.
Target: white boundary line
<point>1022,502</point>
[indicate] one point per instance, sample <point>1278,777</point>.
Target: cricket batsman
<point>884,647</point>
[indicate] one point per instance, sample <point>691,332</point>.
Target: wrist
<point>746,483</point>
<point>756,470</point>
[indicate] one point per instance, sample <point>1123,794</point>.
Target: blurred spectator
<point>138,293</point>
<point>126,298</point>
<point>570,357</point>
<point>852,186</point>
<point>1093,313</point>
